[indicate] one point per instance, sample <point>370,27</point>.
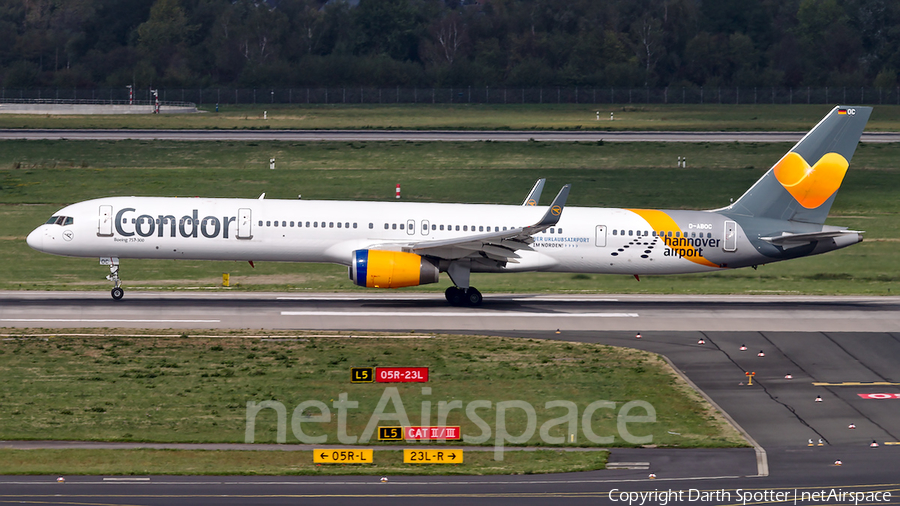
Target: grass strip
<point>39,177</point>
<point>196,389</point>
<point>282,463</point>
<point>652,117</point>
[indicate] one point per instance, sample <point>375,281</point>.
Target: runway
<point>850,350</point>
<point>403,312</point>
<point>420,135</point>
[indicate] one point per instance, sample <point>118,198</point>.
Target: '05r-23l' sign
<point>389,374</point>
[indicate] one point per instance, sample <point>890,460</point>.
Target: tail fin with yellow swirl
<point>802,186</point>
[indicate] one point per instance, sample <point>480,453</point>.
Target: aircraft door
<point>425,226</point>
<point>601,236</point>
<point>411,227</point>
<point>245,224</point>
<point>105,226</point>
<point>730,236</point>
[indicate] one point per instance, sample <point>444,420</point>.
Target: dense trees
<point>201,43</point>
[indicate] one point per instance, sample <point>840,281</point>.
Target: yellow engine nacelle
<point>391,269</point>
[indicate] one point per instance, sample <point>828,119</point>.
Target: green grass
<point>39,177</point>
<point>196,389</point>
<point>274,463</point>
<point>780,117</point>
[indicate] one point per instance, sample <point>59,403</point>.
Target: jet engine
<point>391,269</point>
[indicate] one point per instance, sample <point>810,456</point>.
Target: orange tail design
<point>811,186</point>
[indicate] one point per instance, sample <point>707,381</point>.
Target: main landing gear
<point>462,294</point>
<point>463,297</point>
<point>117,292</point>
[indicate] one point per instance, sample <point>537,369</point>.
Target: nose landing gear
<point>117,292</point>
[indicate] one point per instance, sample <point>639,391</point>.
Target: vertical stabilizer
<point>802,185</point>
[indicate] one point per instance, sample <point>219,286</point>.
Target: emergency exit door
<point>730,236</point>
<point>245,224</point>
<point>105,226</point>
<point>600,240</point>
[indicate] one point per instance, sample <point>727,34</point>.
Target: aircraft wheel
<point>117,293</point>
<point>454,296</point>
<point>473,297</point>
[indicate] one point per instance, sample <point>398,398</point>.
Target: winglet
<point>535,195</point>
<point>556,208</point>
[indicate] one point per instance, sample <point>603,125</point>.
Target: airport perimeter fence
<point>464,95</point>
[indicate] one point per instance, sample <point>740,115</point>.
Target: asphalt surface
<point>402,312</point>
<point>420,135</point>
<point>779,414</point>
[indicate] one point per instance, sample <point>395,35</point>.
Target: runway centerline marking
<point>457,313</point>
<point>104,320</point>
<point>395,299</point>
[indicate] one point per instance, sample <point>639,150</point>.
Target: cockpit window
<point>60,220</point>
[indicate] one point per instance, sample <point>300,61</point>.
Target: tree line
<point>447,43</point>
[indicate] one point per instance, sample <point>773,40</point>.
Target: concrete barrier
<point>61,109</point>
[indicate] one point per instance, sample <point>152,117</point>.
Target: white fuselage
<point>588,240</point>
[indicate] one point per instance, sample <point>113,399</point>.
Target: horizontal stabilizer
<point>789,240</point>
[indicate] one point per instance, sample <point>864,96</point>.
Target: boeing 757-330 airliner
<point>399,244</point>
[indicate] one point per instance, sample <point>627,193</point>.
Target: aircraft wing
<point>535,195</point>
<point>499,246</point>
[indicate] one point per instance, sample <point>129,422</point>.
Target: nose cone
<point>36,239</point>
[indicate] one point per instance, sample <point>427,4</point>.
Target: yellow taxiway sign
<point>450,456</point>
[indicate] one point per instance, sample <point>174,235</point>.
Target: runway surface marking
<point>855,384</point>
<point>879,396</point>
<point>511,314</point>
<point>83,320</point>
<point>376,483</point>
<point>395,299</point>
<point>392,493</point>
